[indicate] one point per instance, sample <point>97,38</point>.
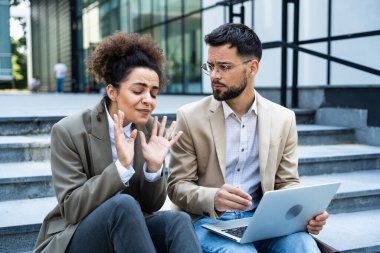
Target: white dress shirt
<point>127,173</point>
<point>242,151</point>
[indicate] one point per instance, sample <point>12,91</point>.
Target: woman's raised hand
<point>125,149</point>
<point>156,149</point>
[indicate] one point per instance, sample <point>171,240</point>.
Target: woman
<point>107,178</point>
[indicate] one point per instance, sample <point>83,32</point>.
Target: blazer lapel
<point>264,128</point>
<point>101,152</point>
<point>218,132</point>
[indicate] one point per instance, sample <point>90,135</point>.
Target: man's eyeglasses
<point>208,68</point>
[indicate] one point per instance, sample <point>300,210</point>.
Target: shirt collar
<point>127,129</point>
<point>228,111</point>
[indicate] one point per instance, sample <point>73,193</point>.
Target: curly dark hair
<point>116,57</point>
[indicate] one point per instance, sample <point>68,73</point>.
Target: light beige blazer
<point>197,162</point>
<point>84,176</point>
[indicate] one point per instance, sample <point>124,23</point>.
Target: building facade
<point>5,43</point>
<point>306,42</point>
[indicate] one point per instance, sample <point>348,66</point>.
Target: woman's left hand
<point>156,149</point>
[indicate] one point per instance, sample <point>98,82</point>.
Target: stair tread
<point>24,170</point>
<point>356,183</point>
<point>24,139</point>
<point>25,212</point>
<point>337,150</point>
<point>348,231</point>
<point>320,128</point>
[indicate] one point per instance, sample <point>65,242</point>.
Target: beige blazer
<point>84,176</point>
<point>197,165</point>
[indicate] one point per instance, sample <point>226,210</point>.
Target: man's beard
<point>232,92</point>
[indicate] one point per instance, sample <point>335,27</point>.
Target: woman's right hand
<point>125,149</point>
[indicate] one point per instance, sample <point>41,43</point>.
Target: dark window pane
<point>146,13</point>
<point>192,5</point>
<point>193,54</point>
<point>174,56</point>
<point>174,8</point>
<point>158,11</point>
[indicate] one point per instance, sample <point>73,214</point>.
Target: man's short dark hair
<point>237,35</point>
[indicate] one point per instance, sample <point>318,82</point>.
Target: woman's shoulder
<point>83,120</point>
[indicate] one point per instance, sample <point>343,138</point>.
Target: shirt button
<point>243,126</point>
<point>242,150</point>
<point>238,169</point>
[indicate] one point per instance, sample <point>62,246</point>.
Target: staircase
<point>326,154</point>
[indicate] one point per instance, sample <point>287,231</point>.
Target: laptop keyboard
<point>238,232</point>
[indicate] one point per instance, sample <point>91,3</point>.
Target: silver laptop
<point>279,213</point>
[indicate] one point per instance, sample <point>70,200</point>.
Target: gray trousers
<point>118,225</point>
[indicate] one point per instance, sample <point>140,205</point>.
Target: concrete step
<point>25,180</point>
<point>20,223</point>
<point>326,135</point>
<point>325,159</point>
<point>356,232</point>
<point>359,190</point>
<point>27,125</point>
<point>24,148</point>
<point>32,125</point>
<point>304,116</point>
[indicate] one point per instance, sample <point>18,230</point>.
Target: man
<point>235,146</point>
<point>60,73</point>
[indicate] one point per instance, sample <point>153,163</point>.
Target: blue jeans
<point>300,242</point>
<point>118,225</point>
<point>60,84</point>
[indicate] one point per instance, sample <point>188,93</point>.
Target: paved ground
<point>54,104</point>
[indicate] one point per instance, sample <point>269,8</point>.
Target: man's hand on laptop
<point>316,224</point>
<point>229,197</point>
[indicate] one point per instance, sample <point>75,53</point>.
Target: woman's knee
<point>125,204</point>
<point>179,218</point>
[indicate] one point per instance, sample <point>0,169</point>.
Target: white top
<point>242,151</point>
<point>60,70</point>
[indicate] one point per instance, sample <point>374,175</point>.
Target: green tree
<point>19,60</point>
<point>19,64</point>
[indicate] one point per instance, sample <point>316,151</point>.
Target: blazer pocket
<point>56,226</point>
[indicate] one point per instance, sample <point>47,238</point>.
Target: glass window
<point>124,15</point>
<point>174,56</point>
<point>158,11</point>
<point>146,13</point>
<point>104,19</point>
<point>134,15</point>
<point>114,17</point>
<point>159,35</point>
<point>193,54</point>
<point>91,27</point>
<point>192,5</point>
<point>174,8</point>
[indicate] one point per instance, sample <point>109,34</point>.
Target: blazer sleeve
<point>78,194</point>
<point>183,187</point>
<point>287,168</point>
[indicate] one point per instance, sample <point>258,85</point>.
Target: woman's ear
<point>111,92</point>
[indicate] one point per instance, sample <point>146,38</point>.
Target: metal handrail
<point>295,45</point>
